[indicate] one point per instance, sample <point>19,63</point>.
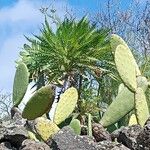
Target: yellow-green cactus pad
<point>121,87</point>
<point>75,125</point>
<point>121,106</point>
<point>141,107</point>
<point>45,128</point>
<point>32,136</point>
<point>132,120</point>
<point>125,65</point>
<point>116,40</point>
<point>66,105</point>
<point>39,103</point>
<point>20,83</point>
<point>142,83</point>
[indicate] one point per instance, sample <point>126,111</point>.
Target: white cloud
<point>24,10</point>
<point>23,18</point>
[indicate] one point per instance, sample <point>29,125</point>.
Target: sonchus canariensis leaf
<point>116,40</point>
<point>39,103</point>
<point>125,65</point>
<point>121,106</point>
<point>20,83</point>
<point>66,105</point>
<point>141,107</point>
<point>45,128</point>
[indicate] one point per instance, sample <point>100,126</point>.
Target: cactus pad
<point>20,83</point>
<point>66,105</point>
<point>39,103</point>
<point>45,128</point>
<point>121,106</point>
<point>125,65</point>
<point>132,120</point>
<point>121,87</point>
<point>75,125</point>
<point>142,83</point>
<point>141,107</point>
<point>117,40</point>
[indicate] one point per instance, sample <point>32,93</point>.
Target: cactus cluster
<point>40,104</point>
<point>41,101</point>
<point>131,93</point>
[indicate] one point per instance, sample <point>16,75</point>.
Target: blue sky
<point>22,17</point>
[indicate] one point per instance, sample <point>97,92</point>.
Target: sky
<point>22,17</point>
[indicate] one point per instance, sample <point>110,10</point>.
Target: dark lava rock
<point>99,133</point>
<point>128,135</point>
<point>6,146</point>
<point>66,139</point>
<point>108,145</point>
<point>13,132</point>
<point>33,145</point>
<point>143,138</point>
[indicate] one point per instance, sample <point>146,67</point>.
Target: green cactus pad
<point>125,65</point>
<point>66,105</point>
<point>121,87</point>
<point>116,40</point>
<point>142,83</point>
<point>141,107</point>
<point>121,106</point>
<point>75,125</point>
<point>132,120</point>
<point>39,103</point>
<point>20,83</point>
<point>45,128</point>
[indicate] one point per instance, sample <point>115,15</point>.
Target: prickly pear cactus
<point>116,40</point>
<point>121,87</point>
<point>132,120</point>
<point>45,128</point>
<point>39,103</point>
<point>121,106</point>
<point>142,83</point>
<point>125,65</point>
<point>141,107</point>
<point>75,125</point>
<point>32,136</point>
<point>66,105</point>
<point>20,83</point>
<point>90,125</point>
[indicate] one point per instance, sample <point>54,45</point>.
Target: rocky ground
<point>14,136</point>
